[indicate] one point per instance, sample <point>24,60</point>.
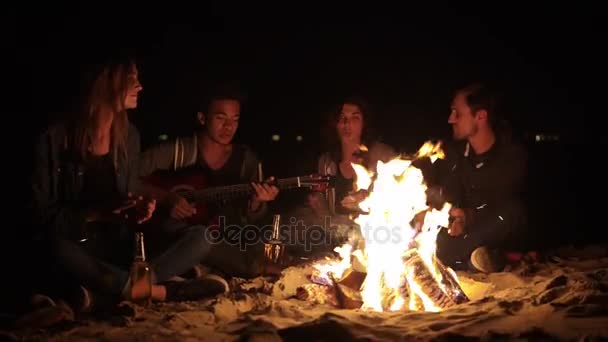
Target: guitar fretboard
<point>230,192</point>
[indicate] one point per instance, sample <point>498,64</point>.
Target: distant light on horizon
<point>299,138</point>
<point>546,137</point>
<point>163,137</point>
<point>276,137</point>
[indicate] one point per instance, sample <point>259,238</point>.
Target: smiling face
<point>350,124</point>
<point>222,120</point>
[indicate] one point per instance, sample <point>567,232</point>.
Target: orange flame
<point>398,194</point>
<point>336,269</point>
<point>433,151</point>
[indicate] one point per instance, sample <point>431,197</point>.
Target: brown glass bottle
<point>274,249</point>
<point>141,274</point>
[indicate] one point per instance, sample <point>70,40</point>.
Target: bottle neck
<point>275,227</point>
<point>140,251</point>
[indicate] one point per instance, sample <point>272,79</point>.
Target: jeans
<point>235,261</point>
<point>102,263</point>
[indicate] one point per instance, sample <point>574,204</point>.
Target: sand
<point>562,297</point>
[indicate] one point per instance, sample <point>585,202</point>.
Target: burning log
<point>341,292</point>
<point>320,279</point>
<point>347,298</point>
<point>352,279</point>
<point>416,303</point>
<point>433,292</point>
<point>317,294</point>
<point>452,286</point>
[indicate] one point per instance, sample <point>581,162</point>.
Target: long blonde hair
<point>107,90</point>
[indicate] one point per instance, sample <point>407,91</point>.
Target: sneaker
<point>86,301</point>
<point>485,261</point>
<point>79,298</point>
<point>197,271</point>
<point>83,300</point>
<point>45,313</point>
<point>196,289</point>
<point>39,300</point>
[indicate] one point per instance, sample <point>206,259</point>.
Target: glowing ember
<point>399,254</point>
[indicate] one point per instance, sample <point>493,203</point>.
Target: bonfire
<point>397,257</point>
<point>388,272</point>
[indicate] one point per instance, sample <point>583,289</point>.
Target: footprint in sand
<point>458,320</point>
<point>440,326</point>
<point>589,310</point>
<point>511,307</point>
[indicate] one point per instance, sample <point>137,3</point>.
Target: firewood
<point>426,282</point>
<point>417,304</point>
<point>316,294</point>
<point>452,287</point>
<point>320,280</point>
<point>348,298</point>
<point>352,279</point>
<point>430,288</point>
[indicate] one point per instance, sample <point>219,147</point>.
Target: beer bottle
<point>141,274</point>
<point>274,249</point>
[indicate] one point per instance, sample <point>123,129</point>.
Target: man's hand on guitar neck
<point>264,192</point>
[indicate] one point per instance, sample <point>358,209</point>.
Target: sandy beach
<point>563,296</point>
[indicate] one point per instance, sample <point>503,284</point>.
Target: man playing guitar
<point>209,158</point>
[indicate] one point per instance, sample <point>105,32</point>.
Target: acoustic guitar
<point>192,186</point>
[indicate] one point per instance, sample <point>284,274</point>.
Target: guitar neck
<point>236,191</point>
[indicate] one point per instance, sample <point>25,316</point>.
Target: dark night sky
<point>295,59</point>
<point>291,62</point>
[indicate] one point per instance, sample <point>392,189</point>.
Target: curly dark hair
<point>332,141</point>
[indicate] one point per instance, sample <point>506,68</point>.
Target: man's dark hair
<point>480,96</point>
<point>222,92</point>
